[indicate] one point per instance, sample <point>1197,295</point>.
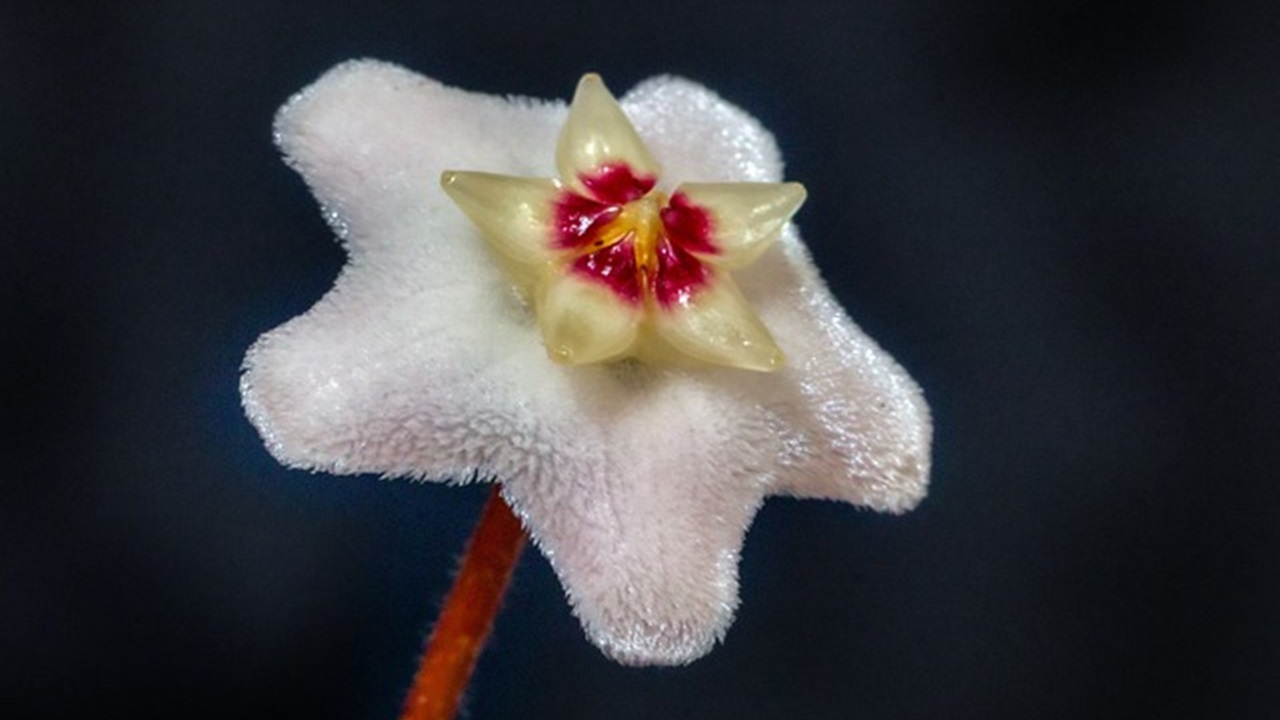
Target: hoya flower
<point>437,354</point>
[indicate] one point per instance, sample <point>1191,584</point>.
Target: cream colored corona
<point>617,268</point>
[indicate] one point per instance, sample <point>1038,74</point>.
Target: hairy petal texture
<point>649,554</point>
<point>638,483</point>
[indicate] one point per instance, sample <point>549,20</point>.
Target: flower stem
<point>467,616</point>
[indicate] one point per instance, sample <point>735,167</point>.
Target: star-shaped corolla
<point>617,267</point>
<point>637,481</point>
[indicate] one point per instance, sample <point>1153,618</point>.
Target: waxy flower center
<point>640,225</point>
<point>618,269</point>
<point>641,245</point>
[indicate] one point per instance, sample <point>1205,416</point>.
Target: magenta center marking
<point>616,183</point>
<point>632,244</point>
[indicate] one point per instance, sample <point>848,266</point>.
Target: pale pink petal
<point>637,482</point>
<point>422,332</point>
<point>860,425</point>
<point>649,552</point>
<point>857,426</point>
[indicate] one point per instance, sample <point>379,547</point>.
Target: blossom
<point>636,480</point>
<point>619,268</point>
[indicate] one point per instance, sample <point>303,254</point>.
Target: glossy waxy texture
<point>617,268</point>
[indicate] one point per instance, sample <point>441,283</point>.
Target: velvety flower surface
<point>636,481</point>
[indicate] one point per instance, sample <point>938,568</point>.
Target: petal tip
<point>561,354</point>
<point>764,360</point>
<point>596,134</point>
<point>774,361</point>
<point>591,91</point>
<point>655,653</point>
<point>796,193</point>
<point>591,82</point>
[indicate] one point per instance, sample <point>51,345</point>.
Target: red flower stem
<point>468,613</point>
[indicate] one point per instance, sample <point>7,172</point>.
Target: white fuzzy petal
<point>649,554</point>
<point>637,483</point>
<point>856,426</point>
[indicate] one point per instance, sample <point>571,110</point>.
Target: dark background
<point>1061,217</point>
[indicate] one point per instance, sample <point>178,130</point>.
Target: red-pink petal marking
<point>615,267</point>
<point>688,225</point>
<point>679,275</point>
<point>616,184</point>
<point>579,219</point>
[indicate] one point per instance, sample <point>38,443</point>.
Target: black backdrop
<point>1061,217</point>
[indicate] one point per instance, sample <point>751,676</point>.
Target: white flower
<point>636,481</point>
